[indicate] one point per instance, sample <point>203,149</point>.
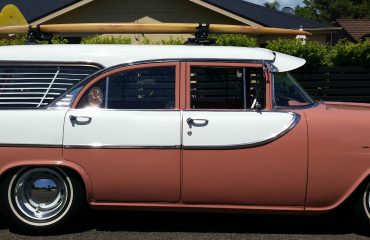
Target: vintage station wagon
<point>177,127</point>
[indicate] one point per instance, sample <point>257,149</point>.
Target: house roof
<point>245,10</point>
<point>356,28</point>
<point>36,9</point>
<point>265,16</point>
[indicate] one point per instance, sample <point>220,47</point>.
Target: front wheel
<point>41,199</point>
<point>362,207</point>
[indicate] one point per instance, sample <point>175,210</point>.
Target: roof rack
<point>200,30</point>
<point>201,36</point>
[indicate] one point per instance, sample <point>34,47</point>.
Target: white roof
<point>110,55</point>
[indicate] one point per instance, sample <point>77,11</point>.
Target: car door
<point>237,150</point>
<point>124,130</point>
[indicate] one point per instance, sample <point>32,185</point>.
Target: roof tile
<point>356,28</point>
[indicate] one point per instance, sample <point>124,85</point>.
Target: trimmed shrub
<point>22,39</point>
<point>235,40</point>
<point>171,41</point>
<point>106,40</point>
<point>347,53</point>
<point>315,53</point>
<point>19,40</point>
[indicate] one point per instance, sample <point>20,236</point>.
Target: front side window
<point>288,93</point>
<point>226,87</point>
<point>147,88</point>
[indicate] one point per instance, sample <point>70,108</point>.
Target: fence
<point>346,84</point>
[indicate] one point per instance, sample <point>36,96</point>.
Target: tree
<point>272,5</point>
<point>330,10</point>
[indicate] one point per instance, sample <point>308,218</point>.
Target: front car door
<point>124,130</point>
<point>234,153</point>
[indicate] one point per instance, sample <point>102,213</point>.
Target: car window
<point>37,86</point>
<point>148,88</point>
<point>288,93</point>
<point>226,87</point>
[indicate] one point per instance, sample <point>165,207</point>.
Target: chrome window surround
<point>274,106</point>
<point>105,70</point>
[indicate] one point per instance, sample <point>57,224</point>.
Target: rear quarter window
<point>37,86</point>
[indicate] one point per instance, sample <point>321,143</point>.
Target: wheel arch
<point>348,195</point>
<point>77,170</point>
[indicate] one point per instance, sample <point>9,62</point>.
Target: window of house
<point>148,88</point>
<point>226,88</point>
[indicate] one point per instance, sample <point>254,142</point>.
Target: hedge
<point>344,53</point>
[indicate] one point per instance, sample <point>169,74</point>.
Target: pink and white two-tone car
<point>171,127</point>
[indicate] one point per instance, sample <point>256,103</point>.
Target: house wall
<point>131,10</point>
<point>154,11</point>
<point>143,11</point>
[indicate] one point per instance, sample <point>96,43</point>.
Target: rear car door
<point>237,150</point>
<point>124,130</point>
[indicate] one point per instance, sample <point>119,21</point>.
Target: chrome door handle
<point>75,118</point>
<point>201,122</point>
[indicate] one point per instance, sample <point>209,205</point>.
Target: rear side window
<point>38,86</point>
<point>226,87</point>
<point>147,88</point>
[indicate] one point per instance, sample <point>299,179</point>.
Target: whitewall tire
<point>362,207</point>
<point>41,198</point>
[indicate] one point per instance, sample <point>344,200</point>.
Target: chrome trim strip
<point>51,63</point>
<point>119,147</point>
<point>30,145</point>
<point>86,146</point>
<point>288,127</point>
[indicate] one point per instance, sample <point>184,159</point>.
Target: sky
<point>283,3</point>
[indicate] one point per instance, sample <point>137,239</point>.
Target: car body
<point>172,127</point>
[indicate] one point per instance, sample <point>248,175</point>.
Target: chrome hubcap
<point>41,193</point>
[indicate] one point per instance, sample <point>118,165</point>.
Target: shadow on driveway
<point>113,223</point>
<point>333,223</point>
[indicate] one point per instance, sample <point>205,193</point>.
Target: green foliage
<point>272,5</point>
<point>235,40</point>
<point>19,40</point>
<point>22,39</point>
<point>345,53</point>
<point>171,41</point>
<point>329,10</point>
<point>106,40</point>
<point>315,53</point>
<point>348,53</point>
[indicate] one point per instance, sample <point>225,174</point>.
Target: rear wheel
<point>362,207</point>
<point>41,199</point>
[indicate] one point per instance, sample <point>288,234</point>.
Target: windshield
<point>288,93</point>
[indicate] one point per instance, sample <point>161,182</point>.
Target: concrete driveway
<point>104,225</point>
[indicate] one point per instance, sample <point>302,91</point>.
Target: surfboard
<point>147,28</point>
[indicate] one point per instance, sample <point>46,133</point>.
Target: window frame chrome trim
<point>29,145</point>
<point>134,63</point>
<point>275,107</point>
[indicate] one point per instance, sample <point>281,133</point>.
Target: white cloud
<point>283,3</point>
